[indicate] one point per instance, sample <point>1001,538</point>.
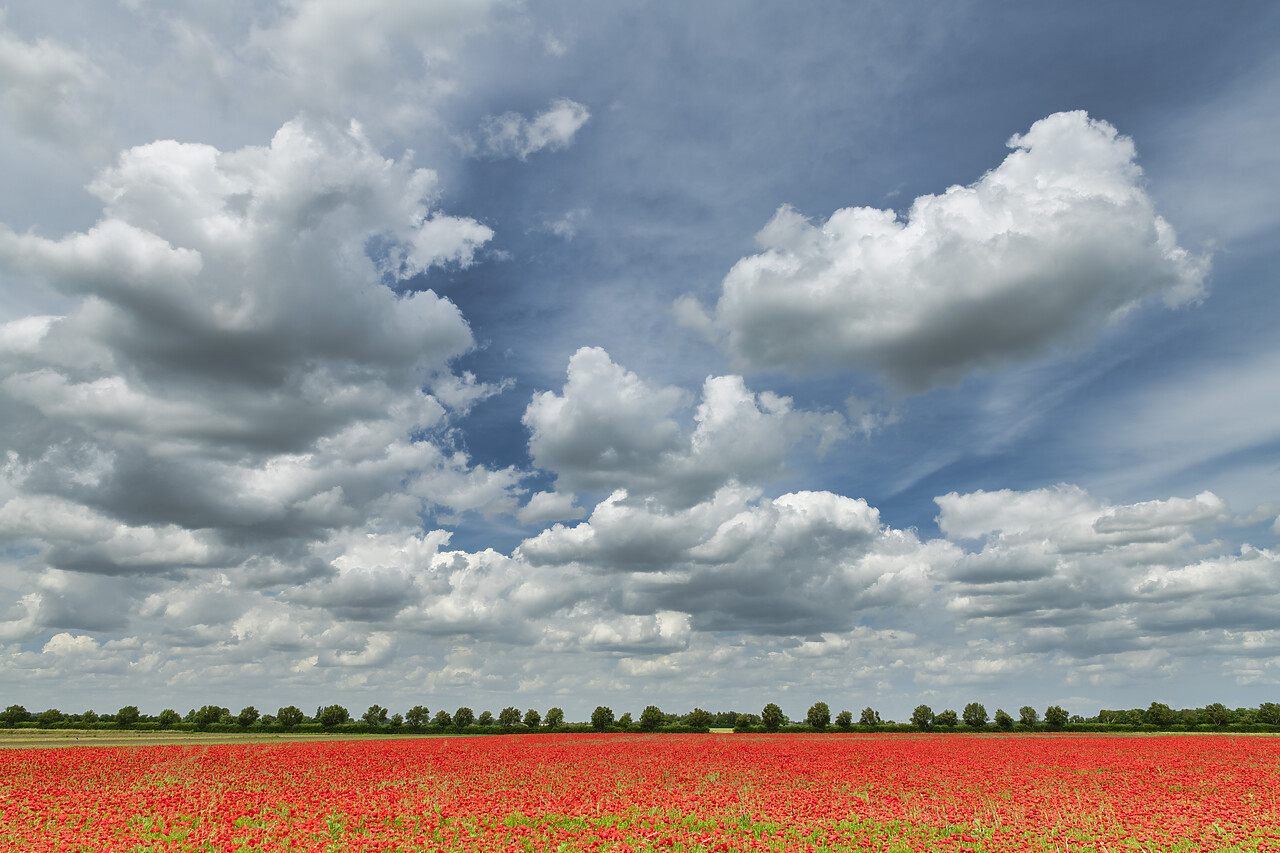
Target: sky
<point>559,353</point>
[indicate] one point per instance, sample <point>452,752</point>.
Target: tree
<point>650,718</point>
<point>49,717</point>
<point>699,719</point>
<point>169,717</point>
<point>1028,716</point>
<point>1217,714</point>
<point>418,716</point>
<point>1160,714</point>
<point>375,716</point>
<point>947,718</point>
<point>289,716</point>
<point>332,715</point>
<point>601,717</point>
<point>624,722</point>
<point>819,716</point>
<point>13,715</point>
<point>532,719</point>
<point>1269,713</point>
<point>88,716</point>
<point>1003,720</point>
<point>442,719</point>
<point>742,723</point>
<point>463,717</point>
<point>208,715</point>
<point>870,717</point>
<point>509,717</point>
<point>397,720</point>
<point>922,717</point>
<point>247,716</point>
<point>975,715</point>
<point>555,717</point>
<point>1055,717</point>
<point>485,719</point>
<point>128,715</point>
<point>772,717</point>
<point>844,721</point>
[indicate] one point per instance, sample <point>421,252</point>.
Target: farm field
<point>641,793</point>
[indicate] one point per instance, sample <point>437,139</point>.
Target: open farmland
<point>624,792</point>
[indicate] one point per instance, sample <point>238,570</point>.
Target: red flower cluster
<point>639,793</point>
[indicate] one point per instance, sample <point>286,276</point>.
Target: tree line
<point>1157,717</point>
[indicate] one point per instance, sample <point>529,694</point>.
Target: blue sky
<point>550,353</point>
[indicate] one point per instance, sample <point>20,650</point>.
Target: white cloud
<point>513,135</point>
<point>47,89</point>
<point>610,429</point>
<point>1042,250</point>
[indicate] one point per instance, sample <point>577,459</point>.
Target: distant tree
<point>742,723</point>
<point>1160,714</point>
<point>1269,713</point>
<point>169,717</point>
<point>418,716</point>
<point>1028,716</point>
<point>332,715</point>
<point>128,715</point>
<point>463,717</point>
<point>49,717</point>
<point>208,715</point>
<point>532,719</point>
<point>443,719</point>
<point>947,718</point>
<point>1003,720</point>
<point>1055,717</point>
<point>509,717</point>
<point>772,717</point>
<point>14,714</point>
<point>554,717</point>
<point>397,720</point>
<point>601,717</point>
<point>819,716</point>
<point>1217,714</point>
<point>870,717</point>
<point>624,722</point>
<point>289,716</point>
<point>844,721</point>
<point>650,718</point>
<point>485,719</point>
<point>975,715</point>
<point>88,716</point>
<point>375,716</point>
<point>922,717</point>
<point>247,716</point>
<point>698,718</point>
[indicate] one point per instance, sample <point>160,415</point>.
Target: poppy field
<point>557,792</point>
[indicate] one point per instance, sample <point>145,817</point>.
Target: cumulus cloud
<point>611,429</point>
<point>513,135</point>
<point>47,89</point>
<point>1054,242</point>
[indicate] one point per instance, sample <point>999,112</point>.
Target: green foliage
<point>1269,713</point>
<point>375,716</point>
<point>742,723</point>
<point>1028,716</point>
<point>289,716</point>
<point>819,716</point>
<point>651,717</point>
<point>947,718</point>
<point>1055,717</point>
<point>698,719</point>
<point>332,715</point>
<point>13,715</point>
<point>89,716</point>
<point>772,717</point>
<point>247,716</point>
<point>975,715</point>
<point>509,717</point>
<point>1003,719</point>
<point>485,719</point>
<point>207,716</point>
<point>624,722</point>
<point>418,716</point>
<point>128,715</point>
<point>463,717</point>
<point>397,721</point>
<point>532,718</point>
<point>555,717</point>
<point>1217,714</point>
<point>844,721</point>
<point>1160,714</point>
<point>443,719</point>
<point>870,717</point>
<point>601,717</point>
<point>50,717</point>
<point>169,717</point>
<point>922,717</point>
